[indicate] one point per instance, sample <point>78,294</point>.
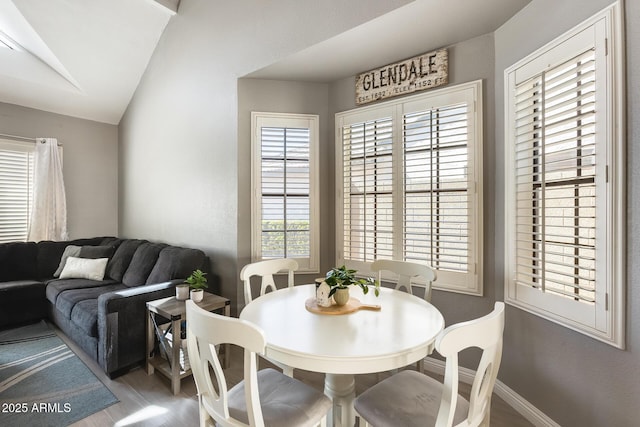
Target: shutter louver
<point>16,191</point>
<point>556,180</point>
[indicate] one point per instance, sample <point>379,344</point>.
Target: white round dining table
<point>402,332</point>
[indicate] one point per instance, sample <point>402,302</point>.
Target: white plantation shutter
<point>410,187</point>
<point>368,185</point>
<point>436,214</point>
<point>16,190</point>
<point>564,180</point>
<point>285,200</point>
<point>285,192</point>
<point>556,179</point>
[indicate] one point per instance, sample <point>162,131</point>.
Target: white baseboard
<point>513,399</point>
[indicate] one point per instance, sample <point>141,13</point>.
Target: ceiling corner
<point>170,6</point>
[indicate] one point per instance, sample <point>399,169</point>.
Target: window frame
<point>471,93</point>
<point>604,320</point>
<point>266,119</point>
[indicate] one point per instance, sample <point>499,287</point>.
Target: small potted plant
<point>340,278</point>
<point>197,282</point>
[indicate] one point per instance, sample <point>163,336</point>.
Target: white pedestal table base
<point>342,391</point>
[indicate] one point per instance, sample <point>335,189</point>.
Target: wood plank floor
<point>146,400</point>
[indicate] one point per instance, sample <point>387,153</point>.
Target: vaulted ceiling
<point>77,57</point>
<point>85,58</point>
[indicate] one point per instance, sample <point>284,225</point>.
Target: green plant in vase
<point>340,278</point>
<point>198,283</point>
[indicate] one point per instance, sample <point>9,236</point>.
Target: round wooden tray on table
<point>351,306</point>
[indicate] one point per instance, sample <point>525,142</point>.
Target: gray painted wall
<point>90,165</point>
<point>575,380</point>
<point>286,97</point>
<point>180,166</point>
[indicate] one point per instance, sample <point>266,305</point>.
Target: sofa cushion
<point>110,241</point>
<point>21,301</point>
<point>57,286</point>
<point>68,299</point>
<point>85,316</point>
<point>71,250</point>
<point>50,253</point>
<point>95,252</point>
<point>142,262</point>
<point>121,259</point>
<point>18,261</point>
<point>176,263</point>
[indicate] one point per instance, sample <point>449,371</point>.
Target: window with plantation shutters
<point>16,189</point>
<point>563,181</point>
<point>285,188</point>
<point>409,185</point>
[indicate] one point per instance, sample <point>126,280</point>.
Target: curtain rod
<point>23,138</point>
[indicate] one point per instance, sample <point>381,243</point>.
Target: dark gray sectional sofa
<point>106,318</point>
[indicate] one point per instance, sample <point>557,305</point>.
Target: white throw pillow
<point>84,268</point>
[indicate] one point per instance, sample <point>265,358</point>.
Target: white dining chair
<point>265,270</point>
<point>412,399</point>
<point>263,398</point>
<point>405,273</point>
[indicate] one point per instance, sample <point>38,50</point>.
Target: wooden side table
<point>171,359</point>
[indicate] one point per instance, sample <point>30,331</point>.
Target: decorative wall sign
<point>422,72</point>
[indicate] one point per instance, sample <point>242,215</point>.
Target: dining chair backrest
<point>405,273</point>
<point>205,331</point>
<point>266,269</point>
<point>485,333</point>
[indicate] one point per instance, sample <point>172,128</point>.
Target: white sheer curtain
<point>49,209</point>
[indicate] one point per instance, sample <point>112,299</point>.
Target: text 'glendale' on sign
<point>421,72</point>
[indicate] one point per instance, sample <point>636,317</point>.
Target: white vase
<point>197,295</point>
<point>341,297</point>
<point>182,292</point>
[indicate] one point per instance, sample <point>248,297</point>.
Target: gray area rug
<point>43,383</point>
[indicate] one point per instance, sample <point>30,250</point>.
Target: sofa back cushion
<point>142,262</point>
<point>95,252</point>
<point>50,253</point>
<point>18,261</point>
<point>121,259</point>
<point>176,263</point>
